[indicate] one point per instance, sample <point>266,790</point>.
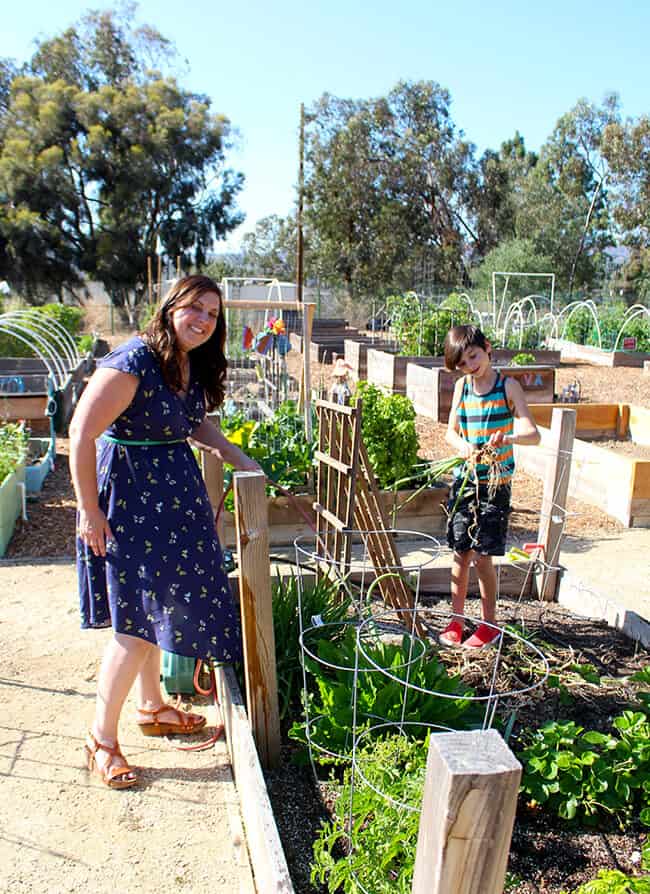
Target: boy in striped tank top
<point>487,410</point>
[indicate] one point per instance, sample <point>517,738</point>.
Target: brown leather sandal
<point>113,777</point>
<point>186,724</point>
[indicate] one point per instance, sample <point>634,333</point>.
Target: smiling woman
<point>148,558</point>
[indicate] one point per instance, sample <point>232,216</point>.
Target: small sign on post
<point>629,343</point>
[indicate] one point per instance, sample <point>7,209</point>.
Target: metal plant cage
<point>370,666</point>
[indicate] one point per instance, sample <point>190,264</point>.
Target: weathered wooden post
<point>251,523</point>
<point>212,470</point>
<point>468,811</point>
<point>556,486</point>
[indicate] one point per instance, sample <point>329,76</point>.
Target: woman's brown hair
<point>208,361</point>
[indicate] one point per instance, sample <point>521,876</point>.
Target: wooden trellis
<point>348,499</point>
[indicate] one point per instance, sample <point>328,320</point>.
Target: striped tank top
<point>479,416</point>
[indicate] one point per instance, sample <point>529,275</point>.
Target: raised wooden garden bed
<point>424,513</point>
<point>388,371</point>
<point>25,393</point>
<point>431,390</point>
<point>615,483</point>
<point>596,356</point>
<point>503,356</point>
<point>356,354</point>
<point>11,501</point>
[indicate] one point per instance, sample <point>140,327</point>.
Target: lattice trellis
<point>348,499</point>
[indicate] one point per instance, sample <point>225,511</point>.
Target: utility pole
<point>301,187</point>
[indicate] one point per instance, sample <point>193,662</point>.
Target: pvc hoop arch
<point>61,335</point>
<point>637,310</point>
<point>53,372</point>
<point>38,331</point>
<point>575,306</point>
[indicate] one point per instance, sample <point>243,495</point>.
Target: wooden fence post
<point>556,486</point>
<point>212,469</point>
<point>251,523</point>
<point>468,811</point>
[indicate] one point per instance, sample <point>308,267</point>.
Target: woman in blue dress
<point>148,557</point>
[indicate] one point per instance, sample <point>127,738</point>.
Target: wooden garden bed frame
<point>597,356</point>
<point>617,484</point>
<point>431,390</point>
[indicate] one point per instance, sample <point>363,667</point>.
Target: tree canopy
<point>104,161</point>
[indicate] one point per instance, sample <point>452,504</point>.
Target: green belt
<point>143,443</point>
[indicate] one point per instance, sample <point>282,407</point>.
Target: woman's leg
<point>149,694</point>
<point>123,658</point>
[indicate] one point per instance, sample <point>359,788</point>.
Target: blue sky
<point>508,65</point>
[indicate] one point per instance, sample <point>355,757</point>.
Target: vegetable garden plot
<point>589,687</point>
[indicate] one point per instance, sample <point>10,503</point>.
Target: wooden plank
<point>599,419</point>
<point>468,812</point>
<point>513,580</point>
<point>257,614</point>
<point>264,846</point>
<point>344,468</point>
<point>623,421</point>
<point>639,425</point>
<point>556,487</point>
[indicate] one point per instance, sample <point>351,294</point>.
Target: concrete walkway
<point>609,578</point>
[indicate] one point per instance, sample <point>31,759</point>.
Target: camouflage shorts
<point>482,524</point>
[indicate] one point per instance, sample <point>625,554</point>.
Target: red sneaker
<point>452,635</point>
<point>484,636</point>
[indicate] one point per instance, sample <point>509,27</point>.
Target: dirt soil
<point>62,829</point>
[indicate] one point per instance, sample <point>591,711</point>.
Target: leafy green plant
<point>389,433</point>
<point>14,440</point>
<point>454,311</point>
<point>588,775</point>
<point>611,881</point>
<point>378,695</point>
<point>405,313</point>
<point>322,599</point>
<point>522,359</point>
<point>279,445</point>
<point>85,343</point>
<point>384,834</point>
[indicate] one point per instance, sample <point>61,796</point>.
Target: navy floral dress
<point>162,578</point>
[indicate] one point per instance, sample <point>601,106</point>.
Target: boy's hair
<point>458,339</point>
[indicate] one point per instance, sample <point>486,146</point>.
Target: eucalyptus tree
<point>563,204</point>
<point>104,161</point>
<point>387,185</point>
<point>497,181</point>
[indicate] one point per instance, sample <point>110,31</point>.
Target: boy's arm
<point>526,432</point>
<point>453,437</point>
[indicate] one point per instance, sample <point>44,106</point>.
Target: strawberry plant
<point>588,776</point>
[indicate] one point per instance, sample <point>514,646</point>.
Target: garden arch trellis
<point>496,315</point>
<point>51,330</point>
<point>41,347</point>
<point>573,308</point>
<point>637,310</point>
